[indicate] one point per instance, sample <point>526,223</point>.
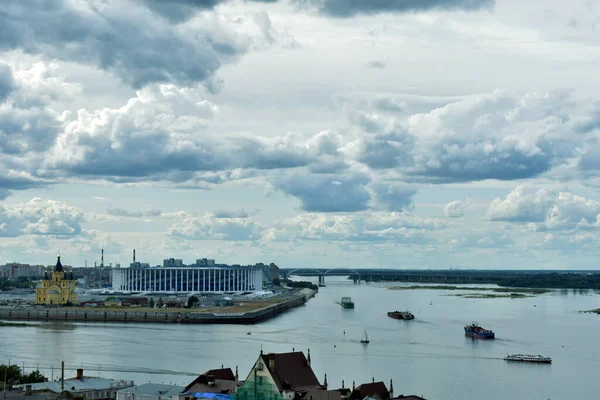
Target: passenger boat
<point>528,358</point>
<point>476,331</point>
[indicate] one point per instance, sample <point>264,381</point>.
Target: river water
<point>428,356</point>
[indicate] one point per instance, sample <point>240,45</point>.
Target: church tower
<point>58,289</point>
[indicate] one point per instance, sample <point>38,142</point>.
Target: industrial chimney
<point>134,256</point>
<point>102,259</point>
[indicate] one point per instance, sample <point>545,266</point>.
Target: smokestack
<point>62,376</point>
<point>79,373</point>
<point>102,259</point>
<point>134,256</point>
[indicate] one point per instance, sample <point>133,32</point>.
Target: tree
<point>151,303</point>
<point>192,302</point>
<point>160,302</point>
<point>33,377</point>
<point>13,374</point>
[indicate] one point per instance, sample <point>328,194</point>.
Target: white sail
<point>365,338</point>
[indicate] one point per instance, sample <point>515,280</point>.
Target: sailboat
<point>365,338</point>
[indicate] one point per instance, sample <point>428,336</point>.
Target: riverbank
<point>248,312</point>
<point>488,289</point>
<point>3,324</point>
<point>596,311</point>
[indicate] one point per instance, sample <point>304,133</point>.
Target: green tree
<point>33,377</point>
<point>160,302</point>
<point>13,374</point>
<point>151,302</point>
<point>192,302</point>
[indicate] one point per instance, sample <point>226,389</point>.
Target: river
<point>428,356</point>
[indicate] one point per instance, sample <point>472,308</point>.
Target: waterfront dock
<point>246,312</point>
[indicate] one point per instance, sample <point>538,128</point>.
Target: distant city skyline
<point>393,134</point>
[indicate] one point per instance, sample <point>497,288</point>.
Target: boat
<point>528,358</point>
<point>401,315</point>
<point>347,302</point>
<point>249,333</point>
<point>365,338</point>
<point>476,331</point>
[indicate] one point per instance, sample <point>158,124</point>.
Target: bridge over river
<point>424,275</point>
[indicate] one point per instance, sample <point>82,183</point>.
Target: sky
<point>308,133</point>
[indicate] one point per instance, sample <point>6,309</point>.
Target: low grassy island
<point>596,311</point>
<point>4,323</point>
<point>510,292</point>
<point>493,296</point>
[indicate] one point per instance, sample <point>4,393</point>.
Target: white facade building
<point>188,279</point>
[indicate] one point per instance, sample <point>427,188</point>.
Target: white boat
<point>365,338</point>
<point>528,358</point>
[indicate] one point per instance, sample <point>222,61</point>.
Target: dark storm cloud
<point>182,10</point>
<point>349,8</point>
<point>327,193</point>
<point>16,182</point>
<point>153,158</point>
<point>388,150</point>
<point>117,37</point>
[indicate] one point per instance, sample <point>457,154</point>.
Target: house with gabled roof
<point>280,376</point>
<point>373,390</point>
<point>220,380</point>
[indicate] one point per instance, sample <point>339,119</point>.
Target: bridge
<point>421,275</point>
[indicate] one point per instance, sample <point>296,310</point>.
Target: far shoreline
<point>474,288</point>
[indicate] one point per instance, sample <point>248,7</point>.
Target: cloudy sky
<point>321,133</point>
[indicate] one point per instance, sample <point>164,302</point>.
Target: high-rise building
<point>173,262</point>
<point>205,262</point>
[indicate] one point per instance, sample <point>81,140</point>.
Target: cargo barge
<point>476,331</point>
<point>401,315</point>
<point>346,302</point>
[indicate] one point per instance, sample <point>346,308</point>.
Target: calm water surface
<point>429,356</point>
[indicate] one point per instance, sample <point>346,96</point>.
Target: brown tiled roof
<point>291,371</point>
<point>321,394</point>
<point>225,374</point>
<point>218,375</point>
<point>369,389</point>
<point>220,386</point>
